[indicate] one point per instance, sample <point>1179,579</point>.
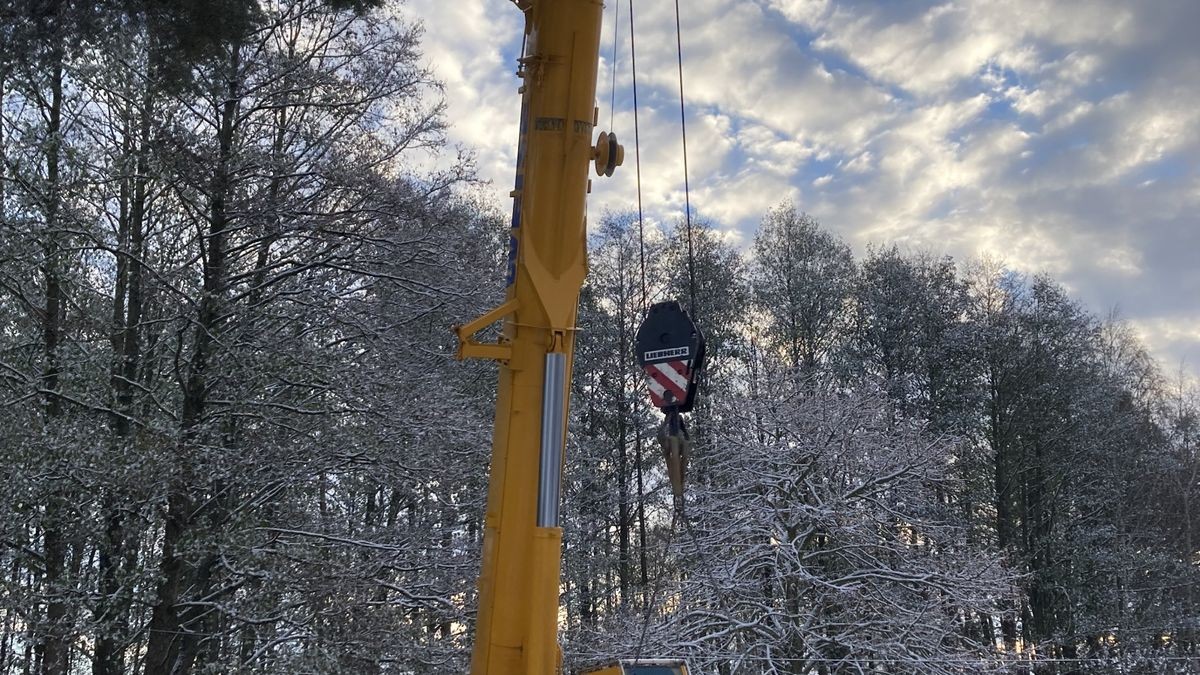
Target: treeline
<point>901,465</point>
<point>233,437</point>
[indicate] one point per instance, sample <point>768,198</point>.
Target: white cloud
<point>803,12</point>
<point>1058,136</point>
<point>1177,338</point>
<point>468,44</point>
<point>935,49</point>
<point>1123,260</point>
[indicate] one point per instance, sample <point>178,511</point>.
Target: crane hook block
<point>670,348</point>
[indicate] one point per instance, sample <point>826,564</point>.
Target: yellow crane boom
<point>517,626</point>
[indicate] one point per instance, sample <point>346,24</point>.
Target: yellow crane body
<point>517,626</point>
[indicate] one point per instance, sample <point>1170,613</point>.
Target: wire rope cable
<point>687,198</point>
<point>701,375</point>
<point>637,154</point>
<point>718,593</point>
<point>676,515</point>
<point>637,653</point>
<point>612,91</point>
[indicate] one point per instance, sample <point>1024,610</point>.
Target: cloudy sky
<point>1060,136</point>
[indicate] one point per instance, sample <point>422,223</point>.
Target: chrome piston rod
<point>550,465</point>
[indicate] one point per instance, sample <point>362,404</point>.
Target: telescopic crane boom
<point>517,626</point>
<point>516,631</point>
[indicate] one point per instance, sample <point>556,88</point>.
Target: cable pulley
<point>608,153</point>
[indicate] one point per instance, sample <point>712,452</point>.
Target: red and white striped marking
<point>668,382</point>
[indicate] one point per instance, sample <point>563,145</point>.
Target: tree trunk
<point>624,519</point>
<point>3,163</point>
<point>55,646</point>
<point>170,649</point>
<point>1003,485</point>
<point>114,604</point>
<point>641,508</point>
